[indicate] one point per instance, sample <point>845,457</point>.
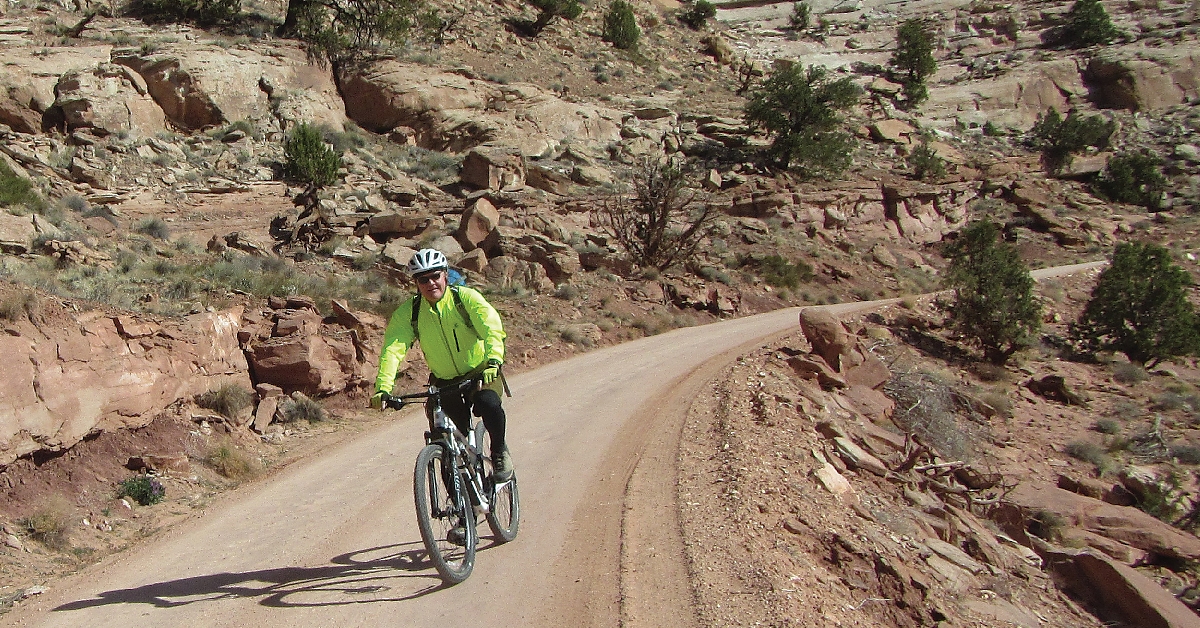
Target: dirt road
<point>333,541</point>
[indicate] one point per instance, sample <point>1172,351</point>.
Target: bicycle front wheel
<point>444,515</point>
<point>505,514</point>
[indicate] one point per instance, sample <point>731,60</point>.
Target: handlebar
<point>398,402</point>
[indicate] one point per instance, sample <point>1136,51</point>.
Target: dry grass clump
<point>1129,373</point>
<point>301,408</point>
<point>19,305</point>
<point>228,401</point>
<point>1093,453</point>
<point>51,523</point>
<point>231,462</point>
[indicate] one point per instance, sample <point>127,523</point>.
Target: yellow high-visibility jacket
<point>452,346</point>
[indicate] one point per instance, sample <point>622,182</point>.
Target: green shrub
<point>228,400</point>
<point>1059,139</point>
<point>1139,306</point>
<point>309,160</point>
<point>1129,373</point>
<point>913,62</point>
<point>1186,454</point>
<point>16,191</point>
<point>350,137</point>
<point>566,292</point>
<point>993,292</point>
<point>154,227</point>
<point>1107,426</point>
<point>780,272</point>
<point>1090,452</point>
<point>925,162</point>
<point>1133,178</point>
<point>1047,525</point>
<point>349,30</point>
<point>550,9</point>
<point>77,203</point>
<point>203,12</point>
<point>698,14</point>
<point>802,110</point>
<point>143,489</point>
<point>800,17</point>
<point>19,305</point>
<point>1087,24</point>
<point>620,26</point>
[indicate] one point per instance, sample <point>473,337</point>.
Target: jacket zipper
<point>446,341</point>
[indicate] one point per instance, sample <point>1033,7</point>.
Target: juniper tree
<point>620,26</point>
<point>802,110</point>
<point>1088,24</point>
<point>1134,177</point>
<point>1139,306</point>
<point>913,60</point>
<point>993,303</point>
<point>550,9</point>
<point>340,31</point>
<point>1059,139</point>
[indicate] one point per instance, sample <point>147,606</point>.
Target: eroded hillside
<point>159,220</point>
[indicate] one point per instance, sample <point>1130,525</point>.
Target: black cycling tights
<point>486,405</point>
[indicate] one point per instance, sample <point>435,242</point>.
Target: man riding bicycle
<point>461,336</point>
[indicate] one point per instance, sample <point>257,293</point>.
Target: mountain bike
<point>453,485</point>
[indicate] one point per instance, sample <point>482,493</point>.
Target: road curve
<point>333,540</point>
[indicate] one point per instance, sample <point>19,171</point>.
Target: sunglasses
<point>430,279</point>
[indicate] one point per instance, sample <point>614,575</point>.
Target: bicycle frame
<point>462,448</point>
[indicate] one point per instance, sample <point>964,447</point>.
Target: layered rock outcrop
<point>92,372</point>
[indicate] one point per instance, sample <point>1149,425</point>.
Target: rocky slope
<point>165,228</point>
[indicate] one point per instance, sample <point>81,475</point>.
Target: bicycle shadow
<point>349,579</point>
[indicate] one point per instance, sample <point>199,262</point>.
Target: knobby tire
<point>438,513</point>
<point>504,517</point>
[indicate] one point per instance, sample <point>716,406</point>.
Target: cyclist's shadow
<point>360,577</point>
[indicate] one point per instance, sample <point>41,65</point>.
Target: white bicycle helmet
<point>426,260</point>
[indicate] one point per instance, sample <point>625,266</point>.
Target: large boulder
<point>444,111</point>
<point>29,76</point>
<point>478,221</point>
<point>493,169</point>
<point>200,86</point>
<point>1117,591</point>
<point>107,99</point>
<point>560,261</point>
<point>312,364</point>
<point>1144,79</point>
<point>827,335</point>
<point>1124,524</point>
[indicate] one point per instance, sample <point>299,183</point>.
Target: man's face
<point>431,285</point>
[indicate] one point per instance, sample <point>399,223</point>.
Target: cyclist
<point>461,336</point>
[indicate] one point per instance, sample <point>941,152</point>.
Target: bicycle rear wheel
<point>504,517</point>
<point>440,510</point>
